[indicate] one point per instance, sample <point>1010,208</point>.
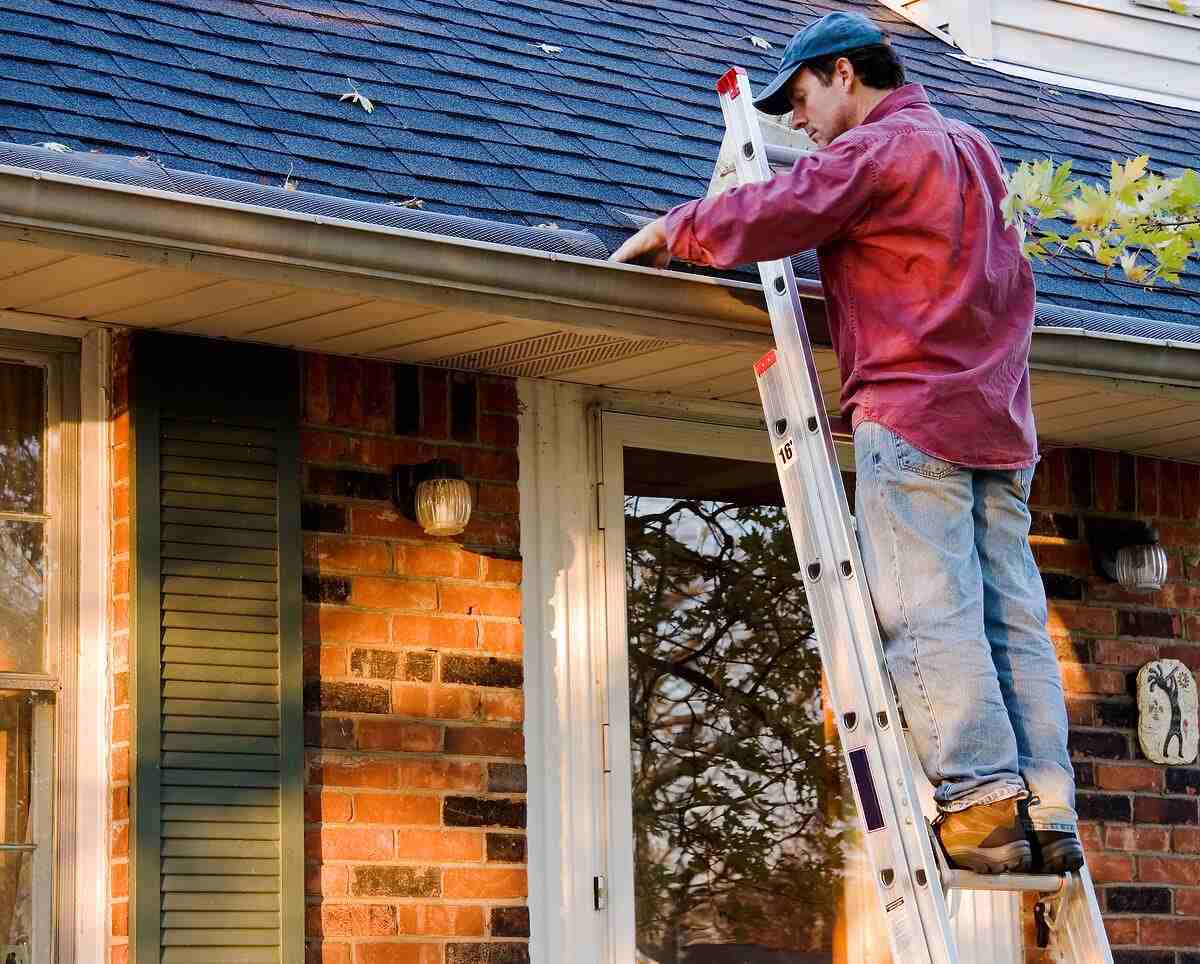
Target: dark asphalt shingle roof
<point>476,120</point>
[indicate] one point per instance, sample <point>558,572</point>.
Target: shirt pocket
<point>912,459</point>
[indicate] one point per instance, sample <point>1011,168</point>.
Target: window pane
<point>22,430</point>
<point>745,842</point>
<point>16,868</point>
<point>22,597</point>
<point>738,828</point>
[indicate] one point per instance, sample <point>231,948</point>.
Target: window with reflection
<point>16,869</point>
<point>22,520</point>
<point>744,839</point>
<point>27,686</point>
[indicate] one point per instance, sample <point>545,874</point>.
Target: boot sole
<point>1062,856</point>
<point>1015,857</point>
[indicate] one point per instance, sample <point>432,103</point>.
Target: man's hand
<point>648,246</point>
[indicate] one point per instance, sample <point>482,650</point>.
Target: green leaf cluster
<point>1144,223</point>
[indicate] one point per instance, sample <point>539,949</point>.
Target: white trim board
<point>562,610</point>
<point>92,765</point>
<point>1082,83</point>
<point>1056,78</point>
<point>898,6</point>
<point>81,357</point>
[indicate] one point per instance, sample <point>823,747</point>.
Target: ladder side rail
<point>1078,934</point>
<point>851,627</point>
<point>895,829</point>
<point>902,859</point>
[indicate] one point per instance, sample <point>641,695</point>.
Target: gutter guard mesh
<point>1128,326</point>
<point>148,173</point>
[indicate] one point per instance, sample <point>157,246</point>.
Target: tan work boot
<point>987,839</point>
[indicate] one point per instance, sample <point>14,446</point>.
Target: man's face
<point>823,111</point>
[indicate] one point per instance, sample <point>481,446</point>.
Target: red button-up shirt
<point>930,300</point>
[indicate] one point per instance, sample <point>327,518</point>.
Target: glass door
<point>731,840</point>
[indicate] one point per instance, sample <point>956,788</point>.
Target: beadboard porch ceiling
<point>47,279</point>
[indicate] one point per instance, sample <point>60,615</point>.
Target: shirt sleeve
<point>823,196</point>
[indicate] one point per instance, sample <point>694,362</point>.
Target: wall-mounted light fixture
<point>1127,551</point>
<point>434,495</point>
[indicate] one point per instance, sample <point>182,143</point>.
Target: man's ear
<point>845,72</point>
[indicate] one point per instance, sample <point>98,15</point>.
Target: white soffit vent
<point>552,354</point>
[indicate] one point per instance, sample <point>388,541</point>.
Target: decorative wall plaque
<point>1167,724</point>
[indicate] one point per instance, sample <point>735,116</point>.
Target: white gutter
<point>173,230</point>
<point>183,231</point>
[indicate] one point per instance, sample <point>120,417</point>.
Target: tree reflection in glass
<point>16,868</point>
<point>22,577</point>
<point>22,420</point>
<point>22,597</point>
<point>738,823</point>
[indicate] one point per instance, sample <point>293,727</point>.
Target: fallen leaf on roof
<point>760,42</point>
<point>548,225</point>
<point>547,48</point>
<point>54,146</point>
<point>356,96</point>
<point>412,202</point>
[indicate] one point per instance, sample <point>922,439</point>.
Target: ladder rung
<point>780,156</point>
<point>1039,883</point>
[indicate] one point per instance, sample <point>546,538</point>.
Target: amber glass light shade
<point>443,506</point>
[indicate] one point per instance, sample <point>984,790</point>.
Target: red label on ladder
<point>765,362</point>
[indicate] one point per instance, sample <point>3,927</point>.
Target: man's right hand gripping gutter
<point>930,302</point>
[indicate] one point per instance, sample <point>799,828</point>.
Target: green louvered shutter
<point>218,791</point>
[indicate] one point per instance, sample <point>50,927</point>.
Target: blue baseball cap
<point>834,33</point>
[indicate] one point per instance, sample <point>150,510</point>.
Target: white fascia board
<point>896,6</point>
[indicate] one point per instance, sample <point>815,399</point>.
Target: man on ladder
<point>930,304</point>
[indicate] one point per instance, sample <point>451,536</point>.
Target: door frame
<point>572,439</point>
<point>79,354</point>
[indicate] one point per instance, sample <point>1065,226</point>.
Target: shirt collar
<point>898,99</point>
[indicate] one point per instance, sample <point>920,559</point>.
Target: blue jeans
<point>962,612</point>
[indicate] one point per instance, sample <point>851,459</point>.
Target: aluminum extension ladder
<point>911,876</point>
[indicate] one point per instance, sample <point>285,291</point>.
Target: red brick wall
<point>415,804</point>
<point>119,654</point>
<point>1139,820</point>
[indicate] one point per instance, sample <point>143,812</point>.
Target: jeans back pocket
<point>912,459</point>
